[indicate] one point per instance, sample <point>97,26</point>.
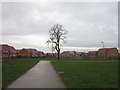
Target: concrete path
<point>41,75</point>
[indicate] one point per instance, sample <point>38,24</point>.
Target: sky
<point>27,24</point>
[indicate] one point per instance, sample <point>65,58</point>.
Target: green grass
<point>88,73</point>
<point>14,68</point>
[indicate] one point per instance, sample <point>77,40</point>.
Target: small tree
<point>57,33</point>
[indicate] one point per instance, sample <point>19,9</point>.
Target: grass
<point>14,68</point>
<point>88,73</point>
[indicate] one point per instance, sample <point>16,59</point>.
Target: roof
<point>51,53</point>
<point>18,50</point>
<point>92,52</point>
<point>30,50</point>
<point>70,52</point>
<point>107,48</point>
<point>40,52</point>
<point>6,47</point>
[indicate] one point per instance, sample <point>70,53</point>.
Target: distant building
<point>51,54</point>
<point>84,54</point>
<point>34,52</point>
<point>40,54</point>
<point>108,53</point>
<point>24,53</point>
<point>112,53</point>
<point>7,51</point>
<point>27,53</point>
<point>102,53</point>
<point>68,54</point>
<point>92,54</point>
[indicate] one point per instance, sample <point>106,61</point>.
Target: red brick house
<point>68,54</point>
<point>24,53</point>
<point>34,52</point>
<point>7,51</point>
<point>27,53</point>
<point>102,53</point>
<point>51,54</point>
<point>84,54</point>
<point>40,54</point>
<point>108,53</point>
<point>92,54</point>
<point>112,53</point>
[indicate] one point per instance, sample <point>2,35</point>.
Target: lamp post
<point>103,44</point>
<point>52,46</point>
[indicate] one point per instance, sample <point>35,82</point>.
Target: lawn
<point>88,73</point>
<point>14,68</point>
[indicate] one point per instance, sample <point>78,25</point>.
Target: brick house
<point>40,54</point>
<point>34,52</point>
<point>7,51</point>
<point>65,54</point>
<point>108,53</point>
<point>84,55</point>
<point>102,53</point>
<point>112,53</point>
<point>92,54</point>
<point>24,53</point>
<point>51,54</point>
<point>68,54</point>
<point>27,53</point>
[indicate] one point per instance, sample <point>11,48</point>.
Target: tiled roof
<point>30,50</point>
<point>107,48</point>
<point>92,52</point>
<point>51,53</point>
<point>6,47</point>
<point>70,52</point>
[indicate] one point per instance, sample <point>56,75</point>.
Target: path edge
<point>21,75</point>
<point>58,76</point>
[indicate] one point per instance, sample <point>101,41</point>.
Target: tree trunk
<point>58,54</point>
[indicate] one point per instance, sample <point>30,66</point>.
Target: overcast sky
<point>26,25</point>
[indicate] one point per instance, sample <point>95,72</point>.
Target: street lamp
<point>103,44</point>
<point>52,46</point>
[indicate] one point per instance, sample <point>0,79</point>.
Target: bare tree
<point>57,34</point>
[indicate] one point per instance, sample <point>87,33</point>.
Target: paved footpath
<point>41,75</point>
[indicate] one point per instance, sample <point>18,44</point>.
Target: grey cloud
<point>88,23</point>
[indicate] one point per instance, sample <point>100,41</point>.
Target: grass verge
<point>14,68</point>
<point>88,74</point>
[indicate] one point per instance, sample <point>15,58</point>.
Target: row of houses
<point>103,53</point>
<point>7,51</point>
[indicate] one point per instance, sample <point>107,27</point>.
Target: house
<point>68,54</point>
<point>102,53</point>
<point>34,52</point>
<point>24,53</point>
<point>78,54</point>
<point>27,53</point>
<point>51,54</point>
<point>84,54</point>
<point>92,54</point>
<point>7,51</point>
<point>108,53</point>
<point>112,53</point>
<point>40,54</point>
